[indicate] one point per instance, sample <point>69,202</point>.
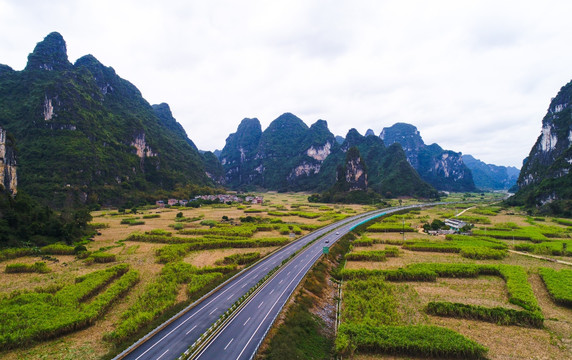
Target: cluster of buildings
<point>223,198</point>
<point>455,226</point>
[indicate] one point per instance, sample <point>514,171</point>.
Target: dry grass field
<point>89,343</point>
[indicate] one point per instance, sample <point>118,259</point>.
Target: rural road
<point>241,336</point>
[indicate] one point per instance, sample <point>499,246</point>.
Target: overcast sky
<point>473,76</point>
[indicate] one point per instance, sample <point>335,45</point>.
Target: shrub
<point>160,232</point>
<point>474,219</point>
<point>419,340</point>
<point>240,259</point>
<point>497,315</point>
<point>151,216</point>
<point>14,253</point>
<point>100,257</point>
<point>558,284</point>
<point>390,227</point>
<point>210,223</point>
<point>132,222</point>
<point>198,282</point>
<point>306,215</point>
<point>566,222</point>
<point>377,255</point>
<point>37,267</point>
<point>363,241</point>
<point>58,249</point>
<point>79,249</point>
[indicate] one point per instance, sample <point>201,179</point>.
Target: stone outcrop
<point>8,176</point>
<point>355,174</point>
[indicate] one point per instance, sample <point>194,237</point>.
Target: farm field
<point>130,278</point>
<point>497,303</point>
<point>147,252</point>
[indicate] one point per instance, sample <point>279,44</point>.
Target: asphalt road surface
<point>241,337</point>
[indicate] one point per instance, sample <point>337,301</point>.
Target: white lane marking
<point>260,304</point>
<point>228,343</point>
<point>280,282</point>
<point>166,351</point>
<point>246,322</point>
<point>271,292</point>
<point>244,285</point>
<point>265,268</point>
<point>240,311</point>
<point>269,311</point>
<point>288,273</point>
<point>191,330</point>
<point>228,298</point>
<point>213,311</point>
<point>187,319</point>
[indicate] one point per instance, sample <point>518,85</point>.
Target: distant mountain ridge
<point>85,135</point>
<point>443,169</point>
<point>290,156</point>
<point>489,176</point>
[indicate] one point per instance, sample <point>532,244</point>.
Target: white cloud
<point>473,76</point>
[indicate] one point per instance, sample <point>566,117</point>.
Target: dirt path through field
<point>541,257</point>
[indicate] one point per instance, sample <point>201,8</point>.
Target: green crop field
<point>459,295</point>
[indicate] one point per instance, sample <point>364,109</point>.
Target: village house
<point>455,224</point>
<point>172,202</point>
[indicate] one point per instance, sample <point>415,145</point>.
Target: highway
<point>241,337</point>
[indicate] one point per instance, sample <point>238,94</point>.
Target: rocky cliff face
<point>489,176</point>
<point>444,169</point>
<point>238,157</point>
<point>549,157</point>
<point>545,175</point>
<point>354,172</point>
<point>8,177</point>
<point>86,135</point>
